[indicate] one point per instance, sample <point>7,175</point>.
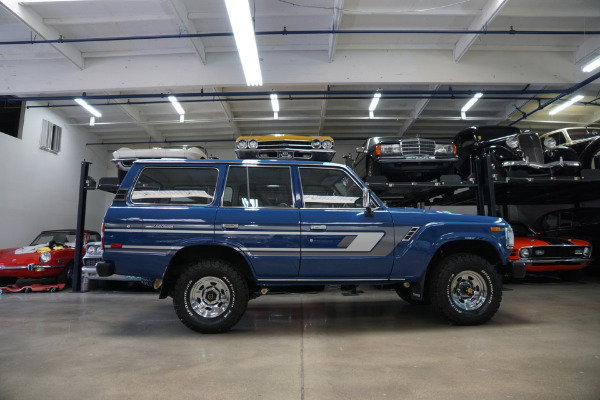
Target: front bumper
<point>516,269</point>
<point>541,167</point>
<point>286,154</point>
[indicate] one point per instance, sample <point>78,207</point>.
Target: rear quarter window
<point>176,186</point>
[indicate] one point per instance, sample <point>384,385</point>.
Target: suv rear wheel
<point>466,289</point>
<point>210,296</point>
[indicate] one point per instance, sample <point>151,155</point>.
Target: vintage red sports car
<point>51,254</point>
<point>568,257</point>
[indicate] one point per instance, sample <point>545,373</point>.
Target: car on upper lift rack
<point>513,152</point>
<point>285,147</point>
<point>404,159</point>
<point>584,140</point>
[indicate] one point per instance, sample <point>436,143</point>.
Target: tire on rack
<point>210,296</point>
<point>405,294</point>
<point>466,289</point>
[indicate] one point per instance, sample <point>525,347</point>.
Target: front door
<point>338,241</point>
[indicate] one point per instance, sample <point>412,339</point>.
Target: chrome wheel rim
<point>468,290</point>
<point>210,297</point>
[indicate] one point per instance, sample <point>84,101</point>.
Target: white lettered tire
<point>210,296</point>
<point>466,289</point>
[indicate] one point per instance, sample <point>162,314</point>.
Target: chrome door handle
<point>230,226</point>
<point>318,227</point>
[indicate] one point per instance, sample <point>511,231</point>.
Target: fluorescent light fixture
<point>371,115</point>
<point>181,117</point>
<point>92,121</point>
<point>463,115</point>
<point>470,103</point>
<point>374,102</point>
<point>274,102</point>
<point>566,104</point>
<point>89,108</point>
<point>592,65</point>
<point>275,115</point>
<point>243,31</point>
<point>176,105</point>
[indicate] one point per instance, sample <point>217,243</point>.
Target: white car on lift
<point>125,156</point>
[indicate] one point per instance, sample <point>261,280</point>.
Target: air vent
<point>121,195</point>
<point>410,234</point>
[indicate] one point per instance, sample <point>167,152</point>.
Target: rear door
<point>258,216</point>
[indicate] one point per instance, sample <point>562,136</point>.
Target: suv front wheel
<point>210,296</point>
<point>466,289</point>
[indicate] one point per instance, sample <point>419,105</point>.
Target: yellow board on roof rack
<point>282,146</point>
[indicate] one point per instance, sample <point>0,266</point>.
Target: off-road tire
<point>210,296</point>
<point>466,289</point>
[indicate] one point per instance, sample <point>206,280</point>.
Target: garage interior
<point>325,60</point>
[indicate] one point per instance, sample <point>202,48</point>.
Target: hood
<point>407,216</point>
<point>525,241</point>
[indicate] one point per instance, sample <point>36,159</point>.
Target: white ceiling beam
<point>587,51</point>
<point>416,112</point>
<point>489,11</point>
<point>189,27</point>
<point>228,113</point>
<point>105,20</point>
<point>43,31</point>
<point>139,120</point>
<point>338,7</point>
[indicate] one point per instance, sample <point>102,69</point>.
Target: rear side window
<point>258,187</point>
<point>176,186</point>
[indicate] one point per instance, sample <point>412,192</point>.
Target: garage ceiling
<point>127,56</point>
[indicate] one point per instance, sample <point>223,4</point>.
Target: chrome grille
<point>531,146</point>
<point>285,144</point>
<point>558,252</point>
<point>418,147</point>
<point>90,262</point>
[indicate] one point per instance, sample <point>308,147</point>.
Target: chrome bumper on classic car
<point>556,261</point>
<point>534,165</point>
<point>30,267</point>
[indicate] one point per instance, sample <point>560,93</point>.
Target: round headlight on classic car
<point>316,143</point>
<point>549,143</point>
<point>45,257</point>
<point>512,142</point>
<point>444,148</point>
<point>327,144</point>
<point>92,250</point>
<point>242,144</point>
<point>253,144</point>
<point>587,252</point>
<point>525,253</point>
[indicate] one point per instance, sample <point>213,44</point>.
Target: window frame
<point>356,182</point>
<point>247,167</point>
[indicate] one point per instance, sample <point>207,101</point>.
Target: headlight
<point>316,143</point>
<point>92,250</point>
<point>525,253</point>
<point>587,252</point>
<point>444,148</point>
<point>510,237</point>
<point>45,257</point>
<point>512,142</point>
<point>550,143</point>
<point>390,148</point>
<point>253,144</point>
<point>327,144</point>
<point>242,144</point>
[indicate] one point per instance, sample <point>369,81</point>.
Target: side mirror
<point>367,203</point>
<point>90,183</point>
<point>360,149</point>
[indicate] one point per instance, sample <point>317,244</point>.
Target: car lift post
<point>80,232</point>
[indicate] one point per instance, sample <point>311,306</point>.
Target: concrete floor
<point>544,343</point>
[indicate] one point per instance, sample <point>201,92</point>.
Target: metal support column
<point>79,240</point>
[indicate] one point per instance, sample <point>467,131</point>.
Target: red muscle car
<point>51,254</point>
<point>568,257</point>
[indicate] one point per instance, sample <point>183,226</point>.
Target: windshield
<point>58,237</point>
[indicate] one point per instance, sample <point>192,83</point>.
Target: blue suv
<point>221,232</point>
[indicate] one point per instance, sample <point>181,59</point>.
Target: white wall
<point>40,190</point>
